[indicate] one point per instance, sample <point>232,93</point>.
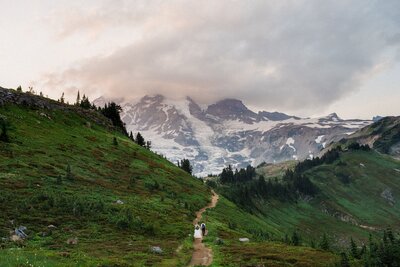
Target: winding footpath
<point>201,254</point>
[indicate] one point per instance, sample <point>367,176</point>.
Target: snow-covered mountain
<point>227,132</point>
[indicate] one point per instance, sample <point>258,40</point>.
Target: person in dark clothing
<point>203,229</point>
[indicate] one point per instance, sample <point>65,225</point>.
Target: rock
<point>20,232</point>
<point>72,241</point>
<point>119,202</point>
<point>45,115</point>
<point>387,195</point>
<point>52,226</point>
<point>244,239</point>
<point>156,249</point>
<point>362,165</point>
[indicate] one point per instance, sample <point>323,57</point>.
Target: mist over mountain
<point>227,132</point>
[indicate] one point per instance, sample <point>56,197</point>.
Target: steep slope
<point>117,201</point>
<point>227,132</point>
<point>356,195</point>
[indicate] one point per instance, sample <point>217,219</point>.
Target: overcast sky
<point>303,57</point>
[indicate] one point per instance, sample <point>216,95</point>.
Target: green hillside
<point>353,199</point>
<point>159,199</point>
<point>356,196</point>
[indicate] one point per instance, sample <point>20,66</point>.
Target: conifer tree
<point>112,111</point>
<point>19,89</point>
<point>62,100</point>
<point>353,249</point>
<point>140,140</point>
<point>78,99</point>
<point>186,166</point>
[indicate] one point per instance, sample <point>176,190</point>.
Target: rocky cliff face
<point>227,132</point>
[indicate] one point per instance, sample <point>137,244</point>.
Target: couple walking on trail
<point>200,230</point>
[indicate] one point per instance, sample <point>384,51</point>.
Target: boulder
<point>156,249</point>
<point>20,232</point>
<point>244,239</point>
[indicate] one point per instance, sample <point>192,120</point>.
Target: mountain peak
<point>231,109</point>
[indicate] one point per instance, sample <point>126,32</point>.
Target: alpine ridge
<point>227,132</point>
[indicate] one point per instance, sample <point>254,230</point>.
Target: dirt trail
<point>201,254</point>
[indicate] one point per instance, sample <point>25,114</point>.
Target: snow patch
<point>290,143</point>
<point>319,139</point>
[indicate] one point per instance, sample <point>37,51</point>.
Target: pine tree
<point>186,166</point>
<point>112,111</point>
<point>115,141</point>
<point>85,103</point>
<point>140,140</point>
<point>353,249</point>
<point>19,89</point>
<point>62,100</point>
<point>78,99</point>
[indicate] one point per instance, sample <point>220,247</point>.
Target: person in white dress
<point>197,231</point>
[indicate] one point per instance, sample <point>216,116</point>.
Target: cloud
<point>293,55</point>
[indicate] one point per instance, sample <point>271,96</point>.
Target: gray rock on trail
<point>156,249</point>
